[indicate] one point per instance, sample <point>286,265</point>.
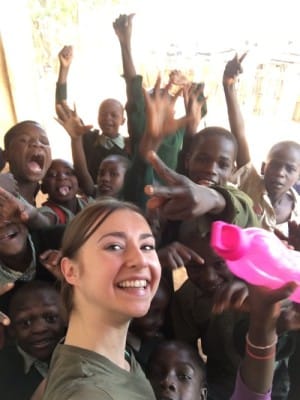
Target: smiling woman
<point>111,273</point>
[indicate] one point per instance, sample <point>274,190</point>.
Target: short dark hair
<point>29,288</point>
<point>210,131</point>
<point>285,143</point>
<point>14,130</point>
<point>178,346</point>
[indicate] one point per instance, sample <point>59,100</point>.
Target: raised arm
<point>257,368</point>
<point>236,121</point>
<point>65,57</point>
<point>73,125</point>
<point>123,28</point>
<point>160,121</point>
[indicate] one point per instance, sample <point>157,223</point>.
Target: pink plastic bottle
<point>256,256</point>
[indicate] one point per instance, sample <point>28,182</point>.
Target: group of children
<point>184,180</point>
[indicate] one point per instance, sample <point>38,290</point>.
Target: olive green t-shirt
<point>80,374</point>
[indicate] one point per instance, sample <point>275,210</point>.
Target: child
<point>37,325</point>
<point>275,200</point>
<point>28,154</point>
<point>146,332</point>
<point>25,255</point>
<point>61,185</point>
<point>176,371</point>
<point>196,201</point>
<point>135,107</point>
<point>112,169</point>
<point>110,117</point>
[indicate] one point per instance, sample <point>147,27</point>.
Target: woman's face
<point>117,271</point>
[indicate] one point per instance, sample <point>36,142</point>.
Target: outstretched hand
<point>160,121</point>
<point>72,123</point>
<point>233,69</point>
<point>181,199</point>
<point>123,28</point>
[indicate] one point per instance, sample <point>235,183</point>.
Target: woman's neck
<point>100,336</point>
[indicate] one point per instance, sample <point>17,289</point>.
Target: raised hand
<point>176,255</point>
<point>11,208</point>
<point>195,105</point>
<point>231,295</point>
<point>177,78</point>
<point>4,319</point>
<point>232,70</point>
<point>181,199</point>
<point>160,121</point>
<point>65,56</point>
<point>51,261</point>
<point>72,123</point>
<point>123,28</point>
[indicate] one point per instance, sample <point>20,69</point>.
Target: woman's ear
<point>262,168</point>
<point>70,270</point>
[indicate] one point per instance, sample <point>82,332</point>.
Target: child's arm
<point>14,209</point>
<point>182,198</point>
<point>65,57</point>
<point>257,368</point>
<point>73,125</point>
<point>237,126</point>
<point>123,29</point>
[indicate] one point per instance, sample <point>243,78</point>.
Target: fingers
<point>242,56</point>
<point>5,288</point>
<point>51,261</point>
<point>168,175</point>
<point>4,319</point>
<point>231,295</point>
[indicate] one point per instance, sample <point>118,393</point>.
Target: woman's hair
<point>82,227</point>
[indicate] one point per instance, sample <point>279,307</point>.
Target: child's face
<point>151,324</point>
<point>110,117</point>
<point>29,154</point>
<point>175,376</point>
<point>211,161</point>
<point>281,170</point>
<point>110,178</point>
<point>60,182</point>
<point>208,277</point>
<point>13,239</point>
<point>37,323</point>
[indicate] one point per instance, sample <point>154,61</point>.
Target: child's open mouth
<point>36,163</point>
<point>64,190</point>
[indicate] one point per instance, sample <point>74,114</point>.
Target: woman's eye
<point>114,247</point>
<point>148,247</point>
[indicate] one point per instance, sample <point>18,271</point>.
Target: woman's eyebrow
<point>123,235</point>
